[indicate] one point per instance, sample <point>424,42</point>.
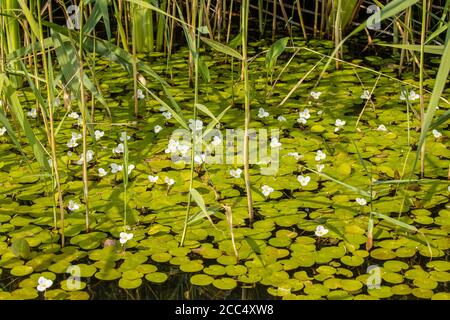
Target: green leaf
<point>99,11</point>
<point>204,71</point>
<point>415,47</point>
<point>442,119</point>
<point>197,197</point>
<point>440,82</point>
<point>395,222</point>
<point>222,48</point>
<point>21,248</point>
<point>274,52</point>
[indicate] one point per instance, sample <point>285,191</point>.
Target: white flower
<point>281,118</point>
<point>157,129</point>
<point>412,96</point>
<point>315,95</point>
<point>301,120</point>
<point>167,115</point>
<point>119,149</point>
<point>196,125</point>
<point>304,114</point>
<point>436,134</point>
<point>365,95</point>
<point>139,94</point>
<point>319,112</point>
<point>123,134</point>
<point>124,237</point>
<point>32,113</point>
<point>74,115</point>
<point>320,167</point>
<point>183,148</point>
<point>172,146</point>
<point>72,143</point>
<point>73,206</point>
<point>339,124</point>
<point>320,155</point>
<point>262,113</point>
<point>102,172</point>
<point>200,158</point>
<point>236,173</point>
<point>381,127</point>
<point>76,136</point>
<point>216,141</point>
<point>274,143</point>
<point>266,190</point>
<point>130,168</point>
<point>98,134</point>
<point>304,180</point>
<point>153,179</point>
<point>169,181</point>
<point>89,156</point>
<point>295,155</point>
<point>43,284</point>
<point>321,231</point>
<point>115,168</point>
<point>2,131</point>
<point>361,201</point>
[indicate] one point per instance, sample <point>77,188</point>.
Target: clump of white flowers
<point>236,173</point>
<point>412,95</point>
<point>169,181</point>
<point>157,129</point>
<point>436,134</point>
<point>304,180</point>
<point>89,157</point>
<point>98,134</point>
<point>339,125</point>
<point>365,95</point>
<point>115,167</point>
<point>304,116</point>
<point>73,206</point>
<point>361,201</point>
<point>32,113</point>
<point>295,155</point>
<point>274,143</point>
<point>262,113</point>
<point>321,231</point>
<point>43,284</point>
<point>320,155</point>
<point>267,190</point>
<point>125,237</point>
<point>315,95</point>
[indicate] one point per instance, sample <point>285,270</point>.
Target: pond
<point>341,146</point>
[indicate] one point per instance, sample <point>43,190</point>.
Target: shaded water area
<point>281,255</point>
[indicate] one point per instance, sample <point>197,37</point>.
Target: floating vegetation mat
<point>309,236</point>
